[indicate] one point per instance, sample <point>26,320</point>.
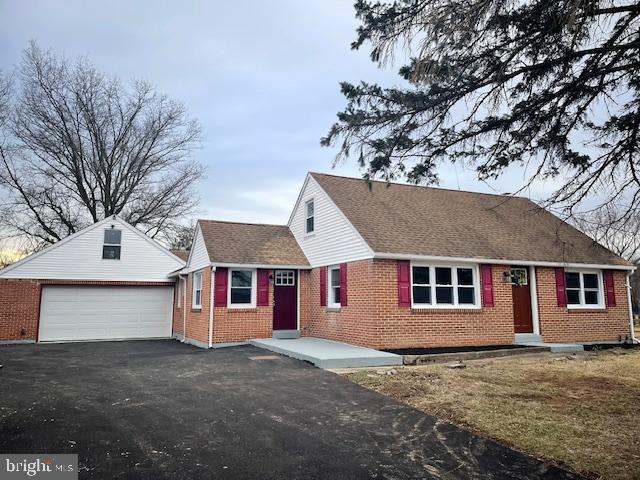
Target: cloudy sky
<point>262,77</point>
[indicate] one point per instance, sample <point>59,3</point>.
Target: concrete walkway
<point>327,354</point>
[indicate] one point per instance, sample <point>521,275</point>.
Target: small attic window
<point>310,217</point>
<point>112,244</point>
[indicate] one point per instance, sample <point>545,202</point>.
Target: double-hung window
<point>197,290</point>
<point>334,287</point>
<point>584,289</point>
<point>309,210</point>
<point>112,244</point>
<point>242,288</point>
<point>436,286</point>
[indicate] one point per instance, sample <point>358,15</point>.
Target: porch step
<point>285,334</point>
<point>527,338</point>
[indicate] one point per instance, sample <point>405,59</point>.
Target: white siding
<point>80,258</point>
<point>199,256</point>
<point>335,239</point>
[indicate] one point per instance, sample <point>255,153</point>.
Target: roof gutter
<point>260,265</point>
<point>495,261</point>
<point>177,273</point>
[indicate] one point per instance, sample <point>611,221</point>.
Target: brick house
<point>373,264</point>
<point>399,266</point>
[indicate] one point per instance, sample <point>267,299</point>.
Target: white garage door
<point>105,313</point>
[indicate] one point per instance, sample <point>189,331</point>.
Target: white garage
<point>73,313</point>
<point>107,282</point>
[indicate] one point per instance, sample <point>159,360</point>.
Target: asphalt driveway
<point>161,409</point>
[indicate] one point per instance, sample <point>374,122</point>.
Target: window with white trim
<point>309,209</point>
<point>112,244</point>
<point>444,286</point>
<point>242,288</point>
<point>584,289</point>
<point>334,287</point>
<point>196,301</point>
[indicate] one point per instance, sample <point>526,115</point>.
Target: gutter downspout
<point>211,306</point>
<point>628,285</point>
<point>183,285</point>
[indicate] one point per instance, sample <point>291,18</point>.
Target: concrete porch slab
<point>328,354</point>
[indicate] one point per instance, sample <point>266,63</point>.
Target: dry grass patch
<point>581,412</point>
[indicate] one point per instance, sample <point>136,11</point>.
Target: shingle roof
<point>250,243</point>
<point>181,254</point>
<point>407,219</point>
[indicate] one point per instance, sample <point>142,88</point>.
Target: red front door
<point>522,318</point>
<point>285,308</point>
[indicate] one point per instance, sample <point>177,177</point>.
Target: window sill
<point>196,309</point>
<point>242,308</point>
<point>440,310</point>
<point>445,308</point>
<point>334,309</point>
<point>584,308</point>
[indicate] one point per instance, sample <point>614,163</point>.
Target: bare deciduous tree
<point>612,228</point>
<point>77,146</point>
<point>182,238</point>
<point>5,259</point>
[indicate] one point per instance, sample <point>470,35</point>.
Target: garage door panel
<point>103,313</point>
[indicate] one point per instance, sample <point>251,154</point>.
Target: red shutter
<point>220,288</point>
<point>263,288</point>
<point>343,284</point>
<point>487,286</point>
<point>323,286</point>
<point>404,283</point>
<point>608,285</point>
<point>561,291</point>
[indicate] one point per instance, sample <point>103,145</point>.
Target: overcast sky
<point>262,77</point>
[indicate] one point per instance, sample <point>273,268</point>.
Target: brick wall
<point>373,318</point>
<point>179,310</point>
<point>304,279</point>
<point>354,323</point>
<point>229,324</point>
<point>197,319</point>
<point>242,324</point>
<point>19,309</point>
<point>560,324</point>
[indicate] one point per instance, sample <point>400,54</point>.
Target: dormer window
<point>112,244</point>
<point>310,216</point>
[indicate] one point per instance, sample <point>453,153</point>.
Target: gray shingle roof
<point>416,220</point>
<point>250,243</point>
